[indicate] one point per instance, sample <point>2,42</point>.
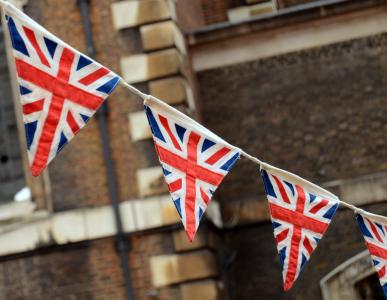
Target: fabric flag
<point>300,213</point>
<point>60,88</point>
<point>374,229</point>
<point>194,160</point>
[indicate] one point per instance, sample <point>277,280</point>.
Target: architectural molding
<point>340,282</point>
<point>300,36</point>
<point>42,229</point>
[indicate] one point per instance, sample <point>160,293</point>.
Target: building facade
<point>300,84</point>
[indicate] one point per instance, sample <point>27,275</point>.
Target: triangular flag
<point>374,229</point>
<point>60,88</point>
<point>194,160</point>
<point>300,213</point>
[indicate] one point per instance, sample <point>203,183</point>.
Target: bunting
<point>300,213</point>
<point>60,89</point>
<point>194,160</point>
<point>375,235</point>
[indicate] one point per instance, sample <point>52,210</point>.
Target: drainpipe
<point>123,243</point>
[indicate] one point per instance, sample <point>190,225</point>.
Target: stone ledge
<point>206,289</point>
<point>171,90</point>
<point>151,181</point>
<point>86,224</point>
<point>132,13</point>
<point>157,36</point>
<point>175,268</point>
<point>359,191</point>
<point>144,67</point>
<point>247,12</point>
<point>162,35</point>
<point>362,190</point>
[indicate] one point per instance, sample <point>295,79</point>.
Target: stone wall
<point>319,113</point>
<point>256,269</point>
<point>88,270</point>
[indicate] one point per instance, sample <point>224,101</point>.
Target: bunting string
<point>255,159</point>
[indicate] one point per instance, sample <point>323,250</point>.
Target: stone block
<point>162,35</point>
<point>246,12</point>
<point>99,222</point>
<point>175,268</point>
<point>154,212</point>
<point>157,36</point>
<point>139,126</point>
<point>206,289</point>
<point>151,181</point>
<point>132,13</point>
<point>169,212</point>
<point>147,213</point>
<point>171,90</point>
<point>127,215</point>
<point>63,233</point>
<point>144,67</point>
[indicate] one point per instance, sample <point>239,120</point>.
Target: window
<point>369,288</point>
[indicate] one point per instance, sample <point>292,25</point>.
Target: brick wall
<point>256,269</point>
<point>319,113</point>
<point>214,11</point>
<point>89,270</point>
<point>78,175</point>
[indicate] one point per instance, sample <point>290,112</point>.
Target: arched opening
<point>355,279</point>
<point>369,288</point>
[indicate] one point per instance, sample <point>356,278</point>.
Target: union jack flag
<point>194,161</point>
<point>375,235</point>
<point>60,88</point>
<point>300,218</point>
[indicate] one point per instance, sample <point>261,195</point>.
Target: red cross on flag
<point>374,229</point>
<point>194,160</point>
<point>300,213</point>
<point>60,89</point>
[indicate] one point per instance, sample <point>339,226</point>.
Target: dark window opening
<point>11,168</point>
<point>369,288</point>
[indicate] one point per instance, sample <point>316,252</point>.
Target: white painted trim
<point>364,255</point>
<point>255,46</point>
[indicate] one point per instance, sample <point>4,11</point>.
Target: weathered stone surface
<point>339,283</point>
<point>206,290</point>
<point>262,45</point>
<point>171,90</point>
<point>159,35</point>
<point>139,126</point>
<point>143,67</point>
<point>364,190</point>
<point>154,212</point>
<point>87,224</point>
<point>136,12</point>
<point>151,181</point>
<point>162,35</point>
<point>330,146</point>
<point>247,12</point>
<point>175,268</point>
